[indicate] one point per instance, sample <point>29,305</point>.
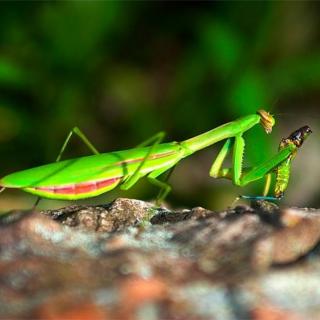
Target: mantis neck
<point>228,130</point>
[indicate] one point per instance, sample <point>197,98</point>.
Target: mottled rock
<point>114,216</point>
<point>131,260</point>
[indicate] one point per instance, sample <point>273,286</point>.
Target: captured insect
<point>90,176</point>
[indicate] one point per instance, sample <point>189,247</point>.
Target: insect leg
<point>267,185</point>
<point>131,180</point>
<point>155,137</point>
<point>234,173</point>
<point>215,170</point>
<point>165,188</point>
<point>238,151</point>
<point>84,139</point>
<point>237,172</point>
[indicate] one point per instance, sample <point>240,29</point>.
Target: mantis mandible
<point>93,175</point>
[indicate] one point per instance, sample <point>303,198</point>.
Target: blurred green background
<point>123,71</point>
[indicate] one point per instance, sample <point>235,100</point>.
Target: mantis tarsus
<point>90,176</point>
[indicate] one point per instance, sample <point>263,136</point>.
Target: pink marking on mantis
<point>85,187</point>
<point>79,188</point>
<point>151,157</point>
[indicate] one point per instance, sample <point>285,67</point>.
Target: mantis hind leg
<point>88,143</point>
<point>165,188</point>
<point>157,138</point>
<point>153,140</point>
<point>83,138</point>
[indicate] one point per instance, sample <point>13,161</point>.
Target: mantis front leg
<point>280,163</point>
<point>242,176</point>
<point>235,173</point>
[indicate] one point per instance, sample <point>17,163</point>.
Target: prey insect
<point>93,175</point>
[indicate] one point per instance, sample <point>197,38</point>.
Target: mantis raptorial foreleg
<point>279,163</point>
<point>236,173</point>
<point>238,150</point>
<point>216,170</point>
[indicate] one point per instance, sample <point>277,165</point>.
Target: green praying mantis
<point>89,176</point>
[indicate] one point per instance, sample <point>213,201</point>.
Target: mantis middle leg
<point>165,188</point>
<point>131,180</point>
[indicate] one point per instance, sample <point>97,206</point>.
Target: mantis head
<point>266,120</point>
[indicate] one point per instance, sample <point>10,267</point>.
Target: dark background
<point>123,71</point>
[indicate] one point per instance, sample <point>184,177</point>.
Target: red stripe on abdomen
<point>79,188</point>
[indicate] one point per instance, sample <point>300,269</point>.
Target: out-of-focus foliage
<point>123,71</point>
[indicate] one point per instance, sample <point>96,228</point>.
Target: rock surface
<point>130,260</point>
